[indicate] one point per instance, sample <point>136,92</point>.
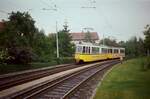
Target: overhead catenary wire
<point>91,6</point>
<point>57,41</point>
<point>92,3</point>
<point>49,6</point>
<point>45,3</point>
<point>2,11</point>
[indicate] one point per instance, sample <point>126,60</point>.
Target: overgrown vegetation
<point>22,43</point>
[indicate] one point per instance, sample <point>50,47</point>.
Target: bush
<point>4,56</point>
<point>24,57</point>
<point>20,55</point>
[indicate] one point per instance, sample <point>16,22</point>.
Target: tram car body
<point>90,53</point>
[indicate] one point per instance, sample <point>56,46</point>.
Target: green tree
<point>141,48</point>
<point>17,38</point>
<point>131,47</point>
<point>66,48</point>
<point>121,43</point>
<point>52,38</point>
<point>134,47</point>
<point>43,47</point>
<point>147,38</point>
<point>109,42</point>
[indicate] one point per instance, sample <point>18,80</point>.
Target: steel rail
<point>53,84</point>
<point>7,82</point>
<point>68,94</point>
<point>40,88</point>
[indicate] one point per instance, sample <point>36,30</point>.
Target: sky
<point>116,19</point>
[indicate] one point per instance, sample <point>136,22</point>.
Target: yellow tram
<point>89,52</point>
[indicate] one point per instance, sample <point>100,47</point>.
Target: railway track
<point>87,88</point>
<point>8,81</point>
<point>65,87</point>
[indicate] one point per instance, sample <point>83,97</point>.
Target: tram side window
<point>122,51</point>
<point>109,50</point>
<point>89,50</point>
<point>83,49</point>
<point>104,50</point>
<point>116,51</point>
<point>95,50</point>
<point>86,50</point>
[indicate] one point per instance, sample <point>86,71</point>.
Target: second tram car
<point>90,52</point>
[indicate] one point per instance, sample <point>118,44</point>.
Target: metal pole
<point>103,39</point>
<point>57,41</point>
<point>56,32</point>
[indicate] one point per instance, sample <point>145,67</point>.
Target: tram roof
<point>96,45</point>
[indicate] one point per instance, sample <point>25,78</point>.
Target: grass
<point>126,81</point>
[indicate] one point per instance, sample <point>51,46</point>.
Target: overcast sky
<point>117,19</point>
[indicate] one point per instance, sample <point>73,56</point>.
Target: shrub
<point>20,55</point>
<point>4,56</point>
